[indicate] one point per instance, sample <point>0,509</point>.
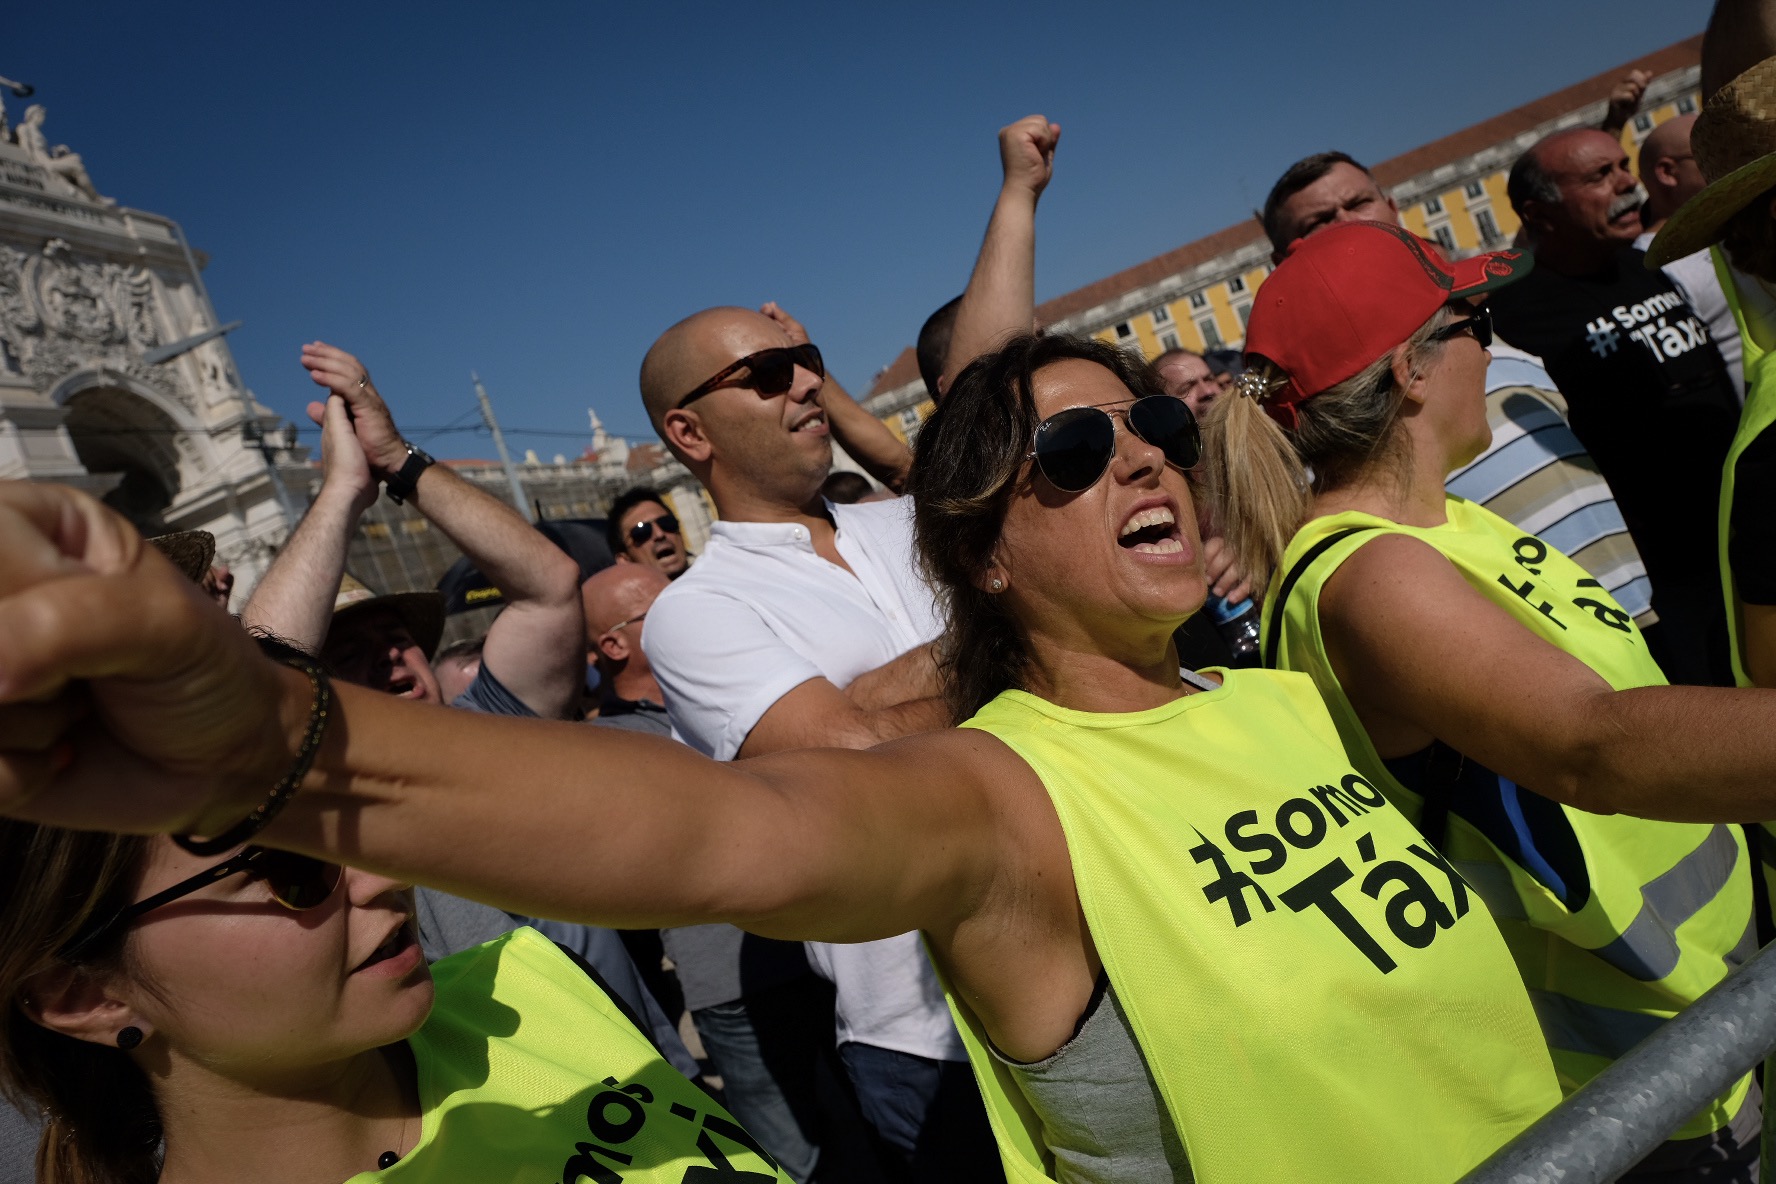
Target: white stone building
<point>92,295</point>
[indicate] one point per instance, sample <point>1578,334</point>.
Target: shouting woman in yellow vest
<point>1184,938</point>
<point>1481,679</point>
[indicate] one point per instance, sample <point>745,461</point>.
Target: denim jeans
<point>928,1112</point>
<point>782,1079</point>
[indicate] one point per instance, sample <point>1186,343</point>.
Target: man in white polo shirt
<point>806,624</point>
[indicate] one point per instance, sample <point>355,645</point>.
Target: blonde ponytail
<point>1257,484</point>
<point>1262,478</point>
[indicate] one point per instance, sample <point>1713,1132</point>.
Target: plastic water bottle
<point>1238,625</point>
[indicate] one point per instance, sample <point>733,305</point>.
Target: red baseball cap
<point>1347,295</point>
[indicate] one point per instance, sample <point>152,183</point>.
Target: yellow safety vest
<point>1318,996</point>
<point>1669,908</point>
<point>1759,413</point>
<point>529,1074</point>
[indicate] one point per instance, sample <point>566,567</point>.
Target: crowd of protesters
<point>937,821</point>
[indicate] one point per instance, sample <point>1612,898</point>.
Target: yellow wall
<point>1458,207</point>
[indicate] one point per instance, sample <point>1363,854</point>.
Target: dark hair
<point>845,487</point>
<point>965,471</point>
<point>1225,361</point>
<point>1529,181</point>
<point>100,1125</point>
<point>1295,178</point>
<point>934,344</point>
<point>626,501</point>
<point>1749,237</point>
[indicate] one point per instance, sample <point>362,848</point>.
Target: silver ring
<point>365,380</point>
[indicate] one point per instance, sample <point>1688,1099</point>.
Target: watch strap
<point>402,483</point>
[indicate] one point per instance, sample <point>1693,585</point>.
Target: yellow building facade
<point>1198,296</point>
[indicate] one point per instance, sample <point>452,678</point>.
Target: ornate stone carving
<point>61,312</point>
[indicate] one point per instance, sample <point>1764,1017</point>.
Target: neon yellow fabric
<point>1316,996</point>
<point>1669,910</point>
<point>529,1074</point>
<point>1759,413</point>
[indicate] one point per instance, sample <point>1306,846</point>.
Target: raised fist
<point>1026,153</point>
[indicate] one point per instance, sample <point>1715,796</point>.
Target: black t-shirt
<point>1648,394</point>
<point>1751,545</point>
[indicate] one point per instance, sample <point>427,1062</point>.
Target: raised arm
<point>1624,101</point>
<point>1422,655</point>
<point>181,725</point>
<point>294,599</point>
<point>1001,296</point>
<point>536,646</point>
<point>882,454</point>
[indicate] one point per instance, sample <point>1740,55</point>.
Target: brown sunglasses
<point>771,372</point>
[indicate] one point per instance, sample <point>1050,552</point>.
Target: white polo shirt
<point>758,615</point>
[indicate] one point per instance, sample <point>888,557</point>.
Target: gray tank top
<point>1102,1115</point>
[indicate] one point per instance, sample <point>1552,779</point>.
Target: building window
<point>1237,284</point>
<point>1198,300</point>
<point>1211,338</point>
<point>1123,331</point>
<point>1475,189</point>
<point>1433,205</point>
<point>1489,229</point>
<point>1643,123</point>
<point>1444,238</point>
<point>1686,105</point>
<point>1162,315</point>
<point>1168,340</point>
<point>909,422</point>
<point>1245,313</point>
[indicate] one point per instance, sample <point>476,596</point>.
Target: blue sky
<point>535,190</point>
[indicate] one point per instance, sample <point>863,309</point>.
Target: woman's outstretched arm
<point>130,702</point>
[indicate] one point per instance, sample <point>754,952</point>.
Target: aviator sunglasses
<point>296,881</point>
<point>770,371</point>
<point>1073,447</point>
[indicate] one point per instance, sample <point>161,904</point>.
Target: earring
<point>128,1038</point>
<point>998,584</point>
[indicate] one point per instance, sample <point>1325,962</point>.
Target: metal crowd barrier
<point>1631,1107</point>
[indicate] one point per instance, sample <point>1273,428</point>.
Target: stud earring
<point>998,584</point>
<point>128,1038</point>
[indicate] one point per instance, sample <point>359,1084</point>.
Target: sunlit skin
<point>1344,194</point>
<point>1597,213</point>
<point>773,451</point>
<point>1187,377</point>
<point>374,649</point>
<point>261,1023</point>
<point>661,550</point>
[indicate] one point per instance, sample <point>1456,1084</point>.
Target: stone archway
<point>118,432</point>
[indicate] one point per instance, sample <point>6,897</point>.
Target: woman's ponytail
<point>1258,486</point>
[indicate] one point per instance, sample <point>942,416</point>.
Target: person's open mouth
<point>1152,530</point>
<point>813,423</point>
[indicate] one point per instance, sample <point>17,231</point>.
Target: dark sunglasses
<point>1074,447</point>
<point>1479,324</point>
<point>770,371</point>
<point>297,882</point>
<point>641,532</point>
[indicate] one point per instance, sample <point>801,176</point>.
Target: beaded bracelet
<point>318,713</point>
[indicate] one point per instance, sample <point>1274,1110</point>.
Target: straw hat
<point>192,551</point>
<point>1734,142</point>
<point>421,612</point>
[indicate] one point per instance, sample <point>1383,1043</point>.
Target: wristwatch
<point>403,481</point>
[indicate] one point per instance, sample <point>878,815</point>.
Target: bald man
<point>806,624</point>
<point>617,601</point>
<point>1646,388</point>
<point>1668,170</point>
